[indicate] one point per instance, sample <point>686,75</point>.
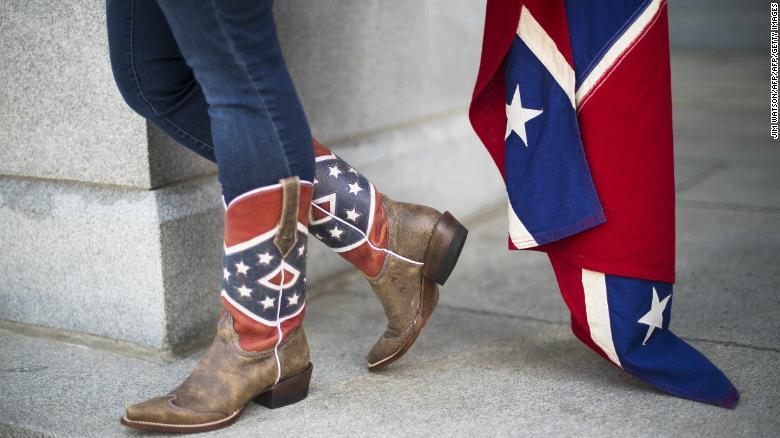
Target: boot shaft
<point>347,212</point>
<point>264,272</point>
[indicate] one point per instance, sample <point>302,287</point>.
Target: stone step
<point>143,266</point>
<point>105,239</point>
<point>497,357</point>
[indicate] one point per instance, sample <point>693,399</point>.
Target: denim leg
<point>249,28</point>
<point>156,82</point>
<point>152,75</point>
<point>247,146</point>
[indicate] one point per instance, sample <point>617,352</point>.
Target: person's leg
<point>152,75</point>
<point>247,25</point>
<point>260,351</point>
<point>250,149</point>
<point>365,220</point>
<point>156,82</point>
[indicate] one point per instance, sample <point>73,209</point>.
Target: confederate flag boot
<point>402,249</point>
<point>260,351</point>
<point>626,321</point>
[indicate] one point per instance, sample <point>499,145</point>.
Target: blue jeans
<point>210,73</point>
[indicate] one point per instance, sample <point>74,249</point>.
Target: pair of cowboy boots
<point>260,352</point>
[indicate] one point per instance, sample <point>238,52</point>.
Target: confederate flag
<point>573,102</point>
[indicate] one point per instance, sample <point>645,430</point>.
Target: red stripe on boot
<point>365,258</point>
<point>320,150</point>
<point>258,212</point>
<point>254,336</point>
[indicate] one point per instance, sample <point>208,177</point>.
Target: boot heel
<point>286,392</point>
<point>443,251</point>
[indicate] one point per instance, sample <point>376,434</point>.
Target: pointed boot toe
<point>392,345</point>
<point>162,414</point>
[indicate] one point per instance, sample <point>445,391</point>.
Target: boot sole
<point>442,255</point>
<point>286,392</point>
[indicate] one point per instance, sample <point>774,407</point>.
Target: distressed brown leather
<point>229,375</point>
<point>399,284</point>
<point>224,381</point>
<point>287,238</point>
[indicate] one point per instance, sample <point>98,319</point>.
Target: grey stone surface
<point>728,215</point>
<point>727,276</point>
<point>503,282</point>
<point>81,258</point>
<point>99,260</point>
<point>719,24</point>
<point>727,82</point>
<point>726,288</point>
<point>721,107</point>
<point>472,372</point>
<point>190,233</point>
<point>712,135</point>
<point>363,65</point>
<point>424,164</point>
<point>170,162</point>
<point>690,171</point>
<point>359,66</point>
<point>737,183</point>
<point>436,163</point>
<point>497,357</point>
<point>62,116</point>
<point>144,266</point>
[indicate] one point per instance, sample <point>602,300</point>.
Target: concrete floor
<point>506,363</point>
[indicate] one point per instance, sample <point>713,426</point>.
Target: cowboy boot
<point>260,352</point>
<point>626,321</point>
<point>402,249</point>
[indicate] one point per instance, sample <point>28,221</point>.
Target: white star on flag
<point>226,274</point>
<point>655,317</point>
<point>244,291</point>
<point>267,303</point>
<point>354,188</point>
<point>301,250</point>
<point>517,117</point>
<point>293,300</point>
<point>265,258</point>
<point>334,171</point>
<point>241,268</point>
<point>336,232</point>
<point>352,215</point>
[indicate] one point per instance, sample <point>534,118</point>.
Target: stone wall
<point>719,24</point>
<point>109,228</point>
